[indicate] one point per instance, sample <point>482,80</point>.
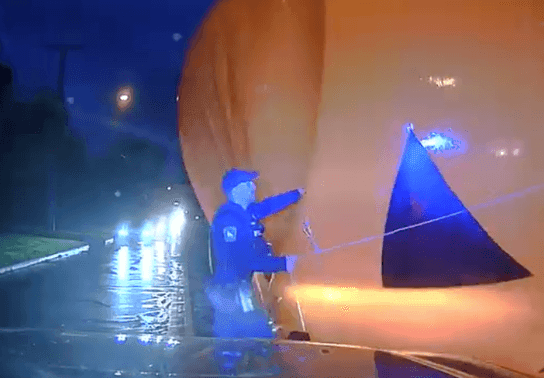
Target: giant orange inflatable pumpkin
<point>433,236</point>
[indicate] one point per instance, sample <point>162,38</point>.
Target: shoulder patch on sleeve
<point>229,234</point>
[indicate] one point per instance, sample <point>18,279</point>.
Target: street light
<point>125,98</point>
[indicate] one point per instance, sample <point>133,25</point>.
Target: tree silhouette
<point>6,141</point>
<point>6,105</point>
<point>41,130</point>
<point>48,116</point>
<point>136,160</point>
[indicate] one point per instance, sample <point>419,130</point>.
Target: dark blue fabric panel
<point>453,251</point>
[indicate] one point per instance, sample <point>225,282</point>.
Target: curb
<point>106,238</point>
<point>58,255</point>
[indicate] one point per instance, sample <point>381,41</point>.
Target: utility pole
<point>63,49</point>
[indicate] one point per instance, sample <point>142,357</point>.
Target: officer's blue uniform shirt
<point>239,249</point>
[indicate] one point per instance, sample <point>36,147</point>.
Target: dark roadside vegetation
<point>48,181</point>
<point>18,248</point>
<point>51,188</point>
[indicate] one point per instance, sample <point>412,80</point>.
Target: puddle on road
<point>146,291</point>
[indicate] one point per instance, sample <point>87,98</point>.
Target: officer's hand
<point>290,263</point>
<point>301,191</point>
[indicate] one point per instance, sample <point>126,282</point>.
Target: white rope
<point>307,230</point>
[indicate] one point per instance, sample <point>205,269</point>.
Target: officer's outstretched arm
<point>275,204</point>
<point>268,264</point>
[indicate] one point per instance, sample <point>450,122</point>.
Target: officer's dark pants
<point>237,313</point>
<point>236,319</point>
<point>239,324</point>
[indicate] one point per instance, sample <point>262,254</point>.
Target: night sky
<point>125,43</point>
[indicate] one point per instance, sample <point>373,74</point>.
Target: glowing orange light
<point>409,311</point>
<point>125,98</point>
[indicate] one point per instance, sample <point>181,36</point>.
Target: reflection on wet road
<point>117,309</point>
<point>146,291</point>
<point>118,291</point>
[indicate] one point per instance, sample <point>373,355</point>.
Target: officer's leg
<point>203,314</point>
<point>228,352</point>
<point>256,324</point>
<point>198,273</point>
<point>236,350</point>
<point>261,353</point>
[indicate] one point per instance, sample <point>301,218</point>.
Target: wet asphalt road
<point>108,289</point>
<point>104,298</point>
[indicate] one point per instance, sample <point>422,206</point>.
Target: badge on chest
<point>229,234</point>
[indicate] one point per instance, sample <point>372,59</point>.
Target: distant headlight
<point>147,231</point>
<point>123,232</point>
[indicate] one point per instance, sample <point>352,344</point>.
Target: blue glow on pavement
<point>122,263</point>
<point>177,220</point>
<point>120,339</point>
<point>145,339</point>
<point>160,229</point>
<point>171,343</point>
<point>146,262</point>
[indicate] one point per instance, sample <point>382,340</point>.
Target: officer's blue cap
<point>233,177</point>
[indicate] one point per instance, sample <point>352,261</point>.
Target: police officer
<point>239,251</point>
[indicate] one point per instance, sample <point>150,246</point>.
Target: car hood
<point>53,353</point>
